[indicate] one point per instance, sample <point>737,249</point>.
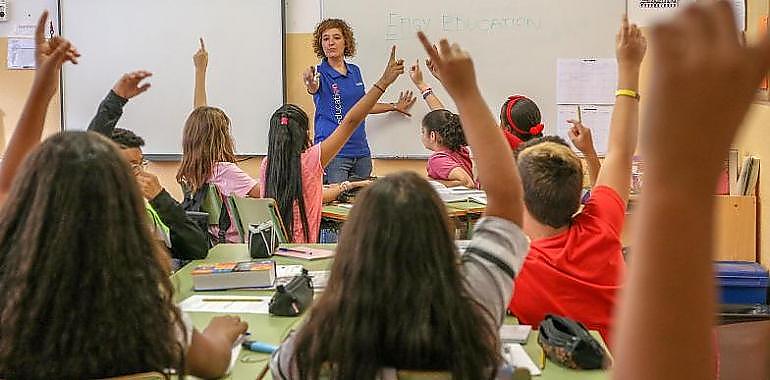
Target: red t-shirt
<point>577,273</point>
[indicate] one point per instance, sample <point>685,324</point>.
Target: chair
<point>248,211</point>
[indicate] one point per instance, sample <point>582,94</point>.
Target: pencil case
<point>294,298</point>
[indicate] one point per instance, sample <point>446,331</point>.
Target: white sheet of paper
<point>648,12</point>
<point>287,270</point>
<point>25,30</point>
<point>515,355</point>
<point>595,117</point>
<point>586,81</point>
<point>236,352</point>
<point>21,53</point>
<point>226,304</point>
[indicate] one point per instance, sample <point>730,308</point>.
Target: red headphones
<point>534,130</point>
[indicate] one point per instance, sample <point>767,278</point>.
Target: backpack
<point>193,206</point>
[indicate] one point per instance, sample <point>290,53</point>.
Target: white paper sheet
<point>648,12</point>
<point>515,355</point>
<point>21,53</point>
<point>595,117</point>
<point>739,6</point>
<point>586,81</point>
<point>226,304</point>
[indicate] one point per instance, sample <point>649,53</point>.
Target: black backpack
<point>193,207</point>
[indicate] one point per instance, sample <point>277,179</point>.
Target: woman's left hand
<point>405,102</point>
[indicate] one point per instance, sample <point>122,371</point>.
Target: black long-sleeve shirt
<point>188,242</point>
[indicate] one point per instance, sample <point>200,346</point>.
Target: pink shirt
<point>441,163</point>
<point>230,180</point>
<point>312,190</point>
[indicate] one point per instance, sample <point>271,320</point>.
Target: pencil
<point>580,115</point>
<point>263,372</point>
<point>542,358</point>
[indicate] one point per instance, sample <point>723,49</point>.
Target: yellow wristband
<point>626,92</point>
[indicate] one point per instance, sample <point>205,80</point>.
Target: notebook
<point>306,253</point>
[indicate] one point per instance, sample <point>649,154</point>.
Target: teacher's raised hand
<point>311,79</point>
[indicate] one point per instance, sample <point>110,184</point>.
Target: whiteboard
<point>515,46</point>
<point>245,40</point>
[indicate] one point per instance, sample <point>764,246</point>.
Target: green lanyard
<point>156,219</point>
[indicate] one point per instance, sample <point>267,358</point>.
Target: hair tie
<point>536,129</point>
<point>284,120</point>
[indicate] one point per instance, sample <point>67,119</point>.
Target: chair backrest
<point>247,211</point>
<point>744,350</point>
<point>212,204</point>
<point>140,376</point>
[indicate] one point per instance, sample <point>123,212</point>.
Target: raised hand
<point>393,69</point>
<point>415,73</point>
<point>581,137</point>
<point>201,57</point>
<point>130,84</point>
<point>311,79</point>
<point>49,57</point>
<point>454,64</point>
<point>405,102</point>
<point>432,66</point>
<point>700,64</point>
<point>630,44</point>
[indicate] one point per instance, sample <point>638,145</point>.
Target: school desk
<point>272,330</point>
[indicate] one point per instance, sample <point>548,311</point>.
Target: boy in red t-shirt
<point>575,266</point>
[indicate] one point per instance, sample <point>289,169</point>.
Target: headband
<point>534,130</point>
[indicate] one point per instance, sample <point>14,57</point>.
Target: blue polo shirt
<point>336,95</point>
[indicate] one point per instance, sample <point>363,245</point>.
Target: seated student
<point>292,172</point>
<point>666,315</point>
<point>398,296</point>
<point>85,290</point>
<point>450,163</point>
<point>520,120</point>
<point>208,151</point>
<point>179,234</point>
<point>575,266</point>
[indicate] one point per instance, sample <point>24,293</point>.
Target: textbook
<point>234,275</point>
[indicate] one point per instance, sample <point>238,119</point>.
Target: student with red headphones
<point>521,121</point>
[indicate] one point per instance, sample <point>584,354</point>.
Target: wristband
<point>379,88</point>
<point>627,92</point>
<point>427,93</point>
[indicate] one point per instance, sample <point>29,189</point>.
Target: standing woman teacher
<point>336,86</point>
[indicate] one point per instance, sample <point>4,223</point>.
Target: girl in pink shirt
<point>292,172</point>
<point>450,162</point>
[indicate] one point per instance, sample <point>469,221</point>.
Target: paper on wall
<point>21,53</point>
<point>648,12</point>
<point>586,81</point>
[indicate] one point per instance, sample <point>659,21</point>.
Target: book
<point>733,170</point>
<point>234,275</point>
<point>747,181</point>
<point>306,253</point>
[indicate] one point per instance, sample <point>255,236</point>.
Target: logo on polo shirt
<point>337,98</point>
<point>359,84</point>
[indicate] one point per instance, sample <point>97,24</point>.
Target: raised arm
<point>616,171</point>
<point>415,73</point>
<point>201,61</point>
<point>584,142</point>
<point>666,316</point>
<point>49,56</point>
<point>332,145</point>
<point>111,108</point>
<point>496,167</point>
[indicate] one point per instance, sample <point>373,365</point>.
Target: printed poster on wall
<point>647,12</point>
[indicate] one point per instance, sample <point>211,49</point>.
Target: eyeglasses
<point>140,167</point>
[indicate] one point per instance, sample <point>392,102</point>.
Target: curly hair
<point>80,270</point>
<point>448,128</point>
<point>347,34</point>
<point>126,139</point>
